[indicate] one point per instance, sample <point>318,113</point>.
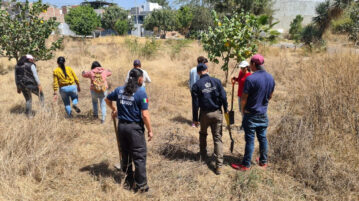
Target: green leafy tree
<point>296,28</point>
<point>115,18</point>
<point>353,28</point>
<point>202,19</point>
<point>185,17</point>
<point>22,31</point>
<point>235,38</point>
<point>164,19</point>
<point>311,35</point>
<point>83,20</point>
<point>121,27</point>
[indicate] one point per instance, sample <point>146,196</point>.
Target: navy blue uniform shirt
<point>259,86</point>
<point>209,95</point>
<point>130,108</point>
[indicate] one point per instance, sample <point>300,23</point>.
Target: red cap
<point>257,59</point>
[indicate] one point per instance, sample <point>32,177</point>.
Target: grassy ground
<point>311,158</point>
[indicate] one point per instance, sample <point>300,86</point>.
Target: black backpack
<point>24,76</point>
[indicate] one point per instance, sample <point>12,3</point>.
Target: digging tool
<point>230,120</point>
<point>231,113</point>
<point>118,166</point>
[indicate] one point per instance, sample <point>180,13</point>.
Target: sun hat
<point>257,59</point>
<point>244,64</point>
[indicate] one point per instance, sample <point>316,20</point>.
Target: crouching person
<point>132,113</point>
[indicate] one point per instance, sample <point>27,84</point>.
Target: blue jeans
<point>255,123</point>
<point>68,92</point>
<point>95,98</point>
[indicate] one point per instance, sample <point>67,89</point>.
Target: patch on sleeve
<point>145,100</point>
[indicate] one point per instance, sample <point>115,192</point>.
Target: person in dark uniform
<point>132,113</point>
<point>208,95</point>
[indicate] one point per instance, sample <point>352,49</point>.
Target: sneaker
<point>240,167</point>
<point>76,108</point>
<point>218,171</point>
<point>193,125</point>
<point>263,165</point>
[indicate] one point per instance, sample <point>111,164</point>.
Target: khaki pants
<point>213,120</point>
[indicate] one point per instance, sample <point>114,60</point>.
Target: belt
<point>122,121</point>
<point>218,109</point>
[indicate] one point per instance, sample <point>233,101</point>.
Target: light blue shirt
<point>193,77</point>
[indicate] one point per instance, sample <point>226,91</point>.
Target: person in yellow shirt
<point>66,79</point>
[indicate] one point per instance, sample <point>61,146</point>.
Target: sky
<point>127,4</point>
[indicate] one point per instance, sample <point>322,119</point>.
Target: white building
<point>138,15</point>
<point>286,10</point>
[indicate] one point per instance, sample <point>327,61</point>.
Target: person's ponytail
<point>61,62</point>
<point>132,83</point>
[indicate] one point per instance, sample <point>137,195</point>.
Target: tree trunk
<point>226,74</point>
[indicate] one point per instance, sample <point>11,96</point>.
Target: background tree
<point>235,38</point>
<point>116,18</point>
<point>311,35</point>
<point>122,27</point>
<point>83,20</point>
<point>164,19</point>
<point>353,29</point>
<point>201,21</point>
<point>22,31</point>
<point>184,17</point>
<point>296,29</point>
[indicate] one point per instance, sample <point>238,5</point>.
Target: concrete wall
<point>286,10</point>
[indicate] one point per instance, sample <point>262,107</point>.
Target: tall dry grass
<point>313,133</point>
<point>317,139</point>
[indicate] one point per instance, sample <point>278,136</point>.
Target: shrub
<point>122,27</point>
<point>176,46</point>
<point>150,48</point>
<point>311,35</point>
<point>296,28</point>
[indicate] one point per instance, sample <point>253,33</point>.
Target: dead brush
<point>318,144</point>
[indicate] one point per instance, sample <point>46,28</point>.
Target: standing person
<point>243,74</point>
<point>137,65</point>
<point>132,113</point>
<point>27,81</point>
<point>66,79</point>
<point>193,75</point>
<point>208,95</point>
<point>258,90</point>
<point>99,86</point>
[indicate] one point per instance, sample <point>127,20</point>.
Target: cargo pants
<point>133,147</point>
<point>212,119</point>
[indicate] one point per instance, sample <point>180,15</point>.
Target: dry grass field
<point>313,134</point>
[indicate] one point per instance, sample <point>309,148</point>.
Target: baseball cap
<point>29,56</point>
<point>137,63</point>
<point>201,67</point>
<point>257,59</point>
<point>243,64</point>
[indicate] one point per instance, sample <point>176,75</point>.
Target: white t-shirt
<point>146,78</point>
